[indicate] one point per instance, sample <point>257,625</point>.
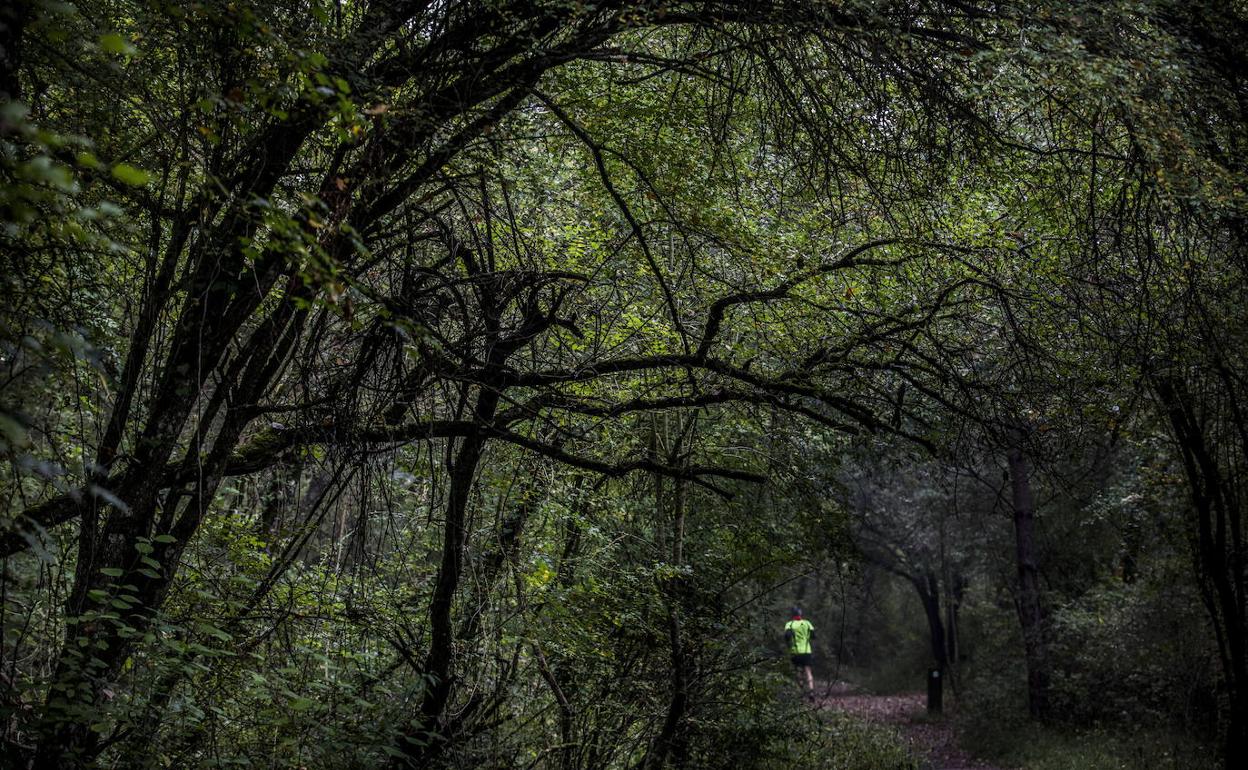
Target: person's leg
<point>810,679</point>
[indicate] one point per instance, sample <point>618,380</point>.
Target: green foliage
<point>822,740</point>
<point>1037,747</point>
<point>1126,654</point>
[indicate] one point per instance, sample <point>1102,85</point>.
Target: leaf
<point>301,704</point>
<point>12,432</point>
<point>117,45</point>
<point>127,174</point>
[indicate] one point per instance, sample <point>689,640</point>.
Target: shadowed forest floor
<point>930,739</point>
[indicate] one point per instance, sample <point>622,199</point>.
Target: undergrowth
<point>1041,747</point>
<point>844,742</point>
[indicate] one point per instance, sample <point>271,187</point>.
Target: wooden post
<point>935,691</point>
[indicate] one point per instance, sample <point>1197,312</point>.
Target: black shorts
<point>803,659</point>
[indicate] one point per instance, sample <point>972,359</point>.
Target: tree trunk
<point>1219,552</point>
<point>1030,608</point>
<point>929,594</point>
<point>142,547</point>
<point>671,742</point>
<point>953,602</point>
<point>429,735</point>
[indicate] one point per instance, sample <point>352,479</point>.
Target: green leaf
<point>127,174</point>
<point>301,704</point>
<point>12,432</point>
<point>117,45</point>
<point>111,571</point>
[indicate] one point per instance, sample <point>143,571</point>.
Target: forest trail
<point>932,740</point>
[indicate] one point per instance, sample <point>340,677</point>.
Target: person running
<point>799,633</point>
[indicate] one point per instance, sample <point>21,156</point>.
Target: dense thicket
<point>460,384</point>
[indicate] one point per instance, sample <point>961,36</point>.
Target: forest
<point>491,383</point>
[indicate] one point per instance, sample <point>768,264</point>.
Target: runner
<point>799,633</point>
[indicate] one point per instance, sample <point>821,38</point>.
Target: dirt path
<point>931,739</point>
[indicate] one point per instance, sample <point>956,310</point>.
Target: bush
<point>1124,653</point>
<point>1132,685</point>
<point>753,729</point>
<point>1037,747</point>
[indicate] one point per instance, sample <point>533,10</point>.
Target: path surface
<point>932,740</point>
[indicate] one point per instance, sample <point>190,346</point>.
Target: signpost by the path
<point>934,691</point>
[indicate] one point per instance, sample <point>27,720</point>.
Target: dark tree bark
<point>953,603</point>
<point>1028,600</point>
<point>1219,548</point>
<point>671,743</point>
<point>928,588</point>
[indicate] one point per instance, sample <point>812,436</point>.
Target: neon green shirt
<point>802,630</point>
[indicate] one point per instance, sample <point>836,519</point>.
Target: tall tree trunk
<point>429,735</point>
<point>928,588</point>
<point>953,602</point>
<point>671,742</point>
<point>1030,607</point>
<point>127,569</point>
<point>1219,554</point>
